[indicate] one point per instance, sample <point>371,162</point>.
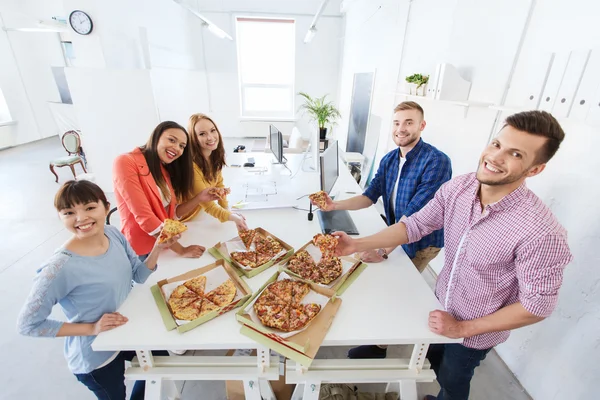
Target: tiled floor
<point>35,368</point>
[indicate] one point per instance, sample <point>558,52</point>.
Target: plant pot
<point>421,91</point>
<point>322,133</point>
<point>411,88</point>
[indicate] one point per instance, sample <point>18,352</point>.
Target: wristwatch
<point>383,253</point>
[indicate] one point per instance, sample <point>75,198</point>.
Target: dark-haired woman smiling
<point>147,183</point>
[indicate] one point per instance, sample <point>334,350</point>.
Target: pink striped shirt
<point>514,251</point>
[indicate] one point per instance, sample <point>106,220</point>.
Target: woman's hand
<point>109,321</point>
<point>345,246</point>
<point>240,221</point>
<point>168,243</point>
<point>193,251</point>
<point>207,195</point>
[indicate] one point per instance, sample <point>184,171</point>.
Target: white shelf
<point>6,123</point>
<point>462,103</point>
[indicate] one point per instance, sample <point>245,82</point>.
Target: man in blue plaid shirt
<point>407,178</point>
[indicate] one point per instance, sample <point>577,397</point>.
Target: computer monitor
<point>276,144</point>
<point>330,167</point>
<point>338,220</point>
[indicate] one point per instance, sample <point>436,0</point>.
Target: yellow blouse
<point>219,211</point>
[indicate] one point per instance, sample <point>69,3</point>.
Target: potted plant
<point>418,81</point>
<point>321,111</point>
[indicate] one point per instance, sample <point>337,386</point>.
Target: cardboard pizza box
<point>219,250</point>
<point>340,285</point>
<point>303,346</point>
<point>244,293</point>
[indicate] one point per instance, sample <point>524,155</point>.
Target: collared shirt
<point>513,251</point>
<point>424,171</point>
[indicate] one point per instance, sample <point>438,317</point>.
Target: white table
<point>388,304</point>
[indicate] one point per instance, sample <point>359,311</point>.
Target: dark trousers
<point>454,365</point>
<point>108,382</point>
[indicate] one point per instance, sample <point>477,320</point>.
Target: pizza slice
<point>245,258</point>
<point>207,306</point>
<point>299,290</point>
<point>196,284</point>
<point>276,247</point>
<point>178,302</point>
<point>170,228</point>
<point>319,199</point>
<point>267,297</point>
<point>282,289</point>
<point>247,237</point>
<point>298,318</point>
<point>220,192</point>
<point>301,257</point>
<point>330,269</point>
<point>183,292</point>
<point>262,259</point>
<point>326,243</point>
<point>188,312</point>
<point>312,310</point>
<point>273,315</point>
<point>263,246</point>
<point>223,294</point>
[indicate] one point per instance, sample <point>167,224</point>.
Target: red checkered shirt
<point>513,251</point>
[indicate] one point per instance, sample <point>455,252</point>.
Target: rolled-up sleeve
<point>539,268</point>
<point>430,218</point>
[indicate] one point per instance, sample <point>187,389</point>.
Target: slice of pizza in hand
<point>247,237</point>
<point>320,199</point>
<point>196,285</point>
<point>170,229</point>
<point>326,243</point>
<point>223,294</point>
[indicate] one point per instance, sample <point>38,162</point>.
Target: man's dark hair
<point>540,123</point>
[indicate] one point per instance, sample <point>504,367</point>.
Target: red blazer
<point>138,200</point>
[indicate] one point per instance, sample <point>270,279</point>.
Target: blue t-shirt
<point>86,288</point>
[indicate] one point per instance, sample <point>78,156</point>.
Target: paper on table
<point>236,244</point>
<point>214,278</point>
<point>316,254</point>
<point>311,297</point>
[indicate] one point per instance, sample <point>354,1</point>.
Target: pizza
<point>188,301</point>
<point>245,258</point>
<point>247,237</point>
<point>275,245</point>
<point>262,245</point>
<point>170,228</point>
<point>223,294</point>
<point>325,272</point>
<point>196,285</point>
<point>319,199</point>
<point>220,192</point>
<point>262,259</point>
<point>326,243</point>
<point>279,306</point>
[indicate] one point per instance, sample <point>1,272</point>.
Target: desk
<point>388,304</point>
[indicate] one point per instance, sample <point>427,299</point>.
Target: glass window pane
<point>267,99</point>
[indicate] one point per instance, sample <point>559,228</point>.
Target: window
<point>266,49</point>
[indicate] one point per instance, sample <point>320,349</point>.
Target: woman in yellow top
<point>209,158</point>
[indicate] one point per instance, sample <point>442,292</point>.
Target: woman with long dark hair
<point>147,183</point>
<point>208,155</point>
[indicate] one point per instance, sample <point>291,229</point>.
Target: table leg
<point>252,389</point>
<point>153,389</point>
<point>311,390</point>
<point>298,392</point>
<point>408,389</point>
<point>156,386</point>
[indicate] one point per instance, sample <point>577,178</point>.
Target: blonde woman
<point>209,159</point>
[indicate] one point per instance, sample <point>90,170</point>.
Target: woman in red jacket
<point>147,183</point>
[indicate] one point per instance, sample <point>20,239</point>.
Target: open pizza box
<point>220,250</point>
<point>301,347</point>
<point>351,269</point>
<point>216,273</point>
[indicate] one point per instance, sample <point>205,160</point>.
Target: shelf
<point>6,123</point>
<point>461,103</point>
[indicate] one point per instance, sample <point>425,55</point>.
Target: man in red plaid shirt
<point>505,250</point>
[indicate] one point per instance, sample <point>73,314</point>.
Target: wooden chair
<point>72,144</point>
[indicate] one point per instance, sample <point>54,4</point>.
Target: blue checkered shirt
<point>424,171</point>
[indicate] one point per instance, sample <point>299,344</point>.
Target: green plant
<point>324,112</point>
<point>418,79</point>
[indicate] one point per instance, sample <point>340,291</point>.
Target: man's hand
<point>345,246</point>
<point>207,195</point>
<point>329,204</point>
<point>371,256</point>
<point>444,324</point>
<point>193,251</point>
<point>108,321</point>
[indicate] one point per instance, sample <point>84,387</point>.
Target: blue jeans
<point>454,365</point>
<point>108,382</point>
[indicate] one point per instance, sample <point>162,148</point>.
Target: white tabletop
<point>389,303</point>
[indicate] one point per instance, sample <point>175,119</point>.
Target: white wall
<point>555,359</point>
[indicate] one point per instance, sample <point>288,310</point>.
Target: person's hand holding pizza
<point>322,200</point>
<point>208,194</point>
<point>240,221</point>
<point>345,245</point>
